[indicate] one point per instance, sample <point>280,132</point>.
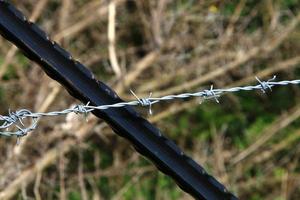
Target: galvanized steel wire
<point>13,125</point>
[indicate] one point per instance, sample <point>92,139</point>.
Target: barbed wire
<point>14,126</point>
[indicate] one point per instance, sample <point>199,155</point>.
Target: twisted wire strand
<point>13,125</point>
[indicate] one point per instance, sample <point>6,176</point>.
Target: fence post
<point>81,84</point>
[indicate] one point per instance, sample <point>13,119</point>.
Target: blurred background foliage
<point>250,141</point>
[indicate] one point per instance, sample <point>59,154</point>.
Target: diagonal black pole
<point>81,84</point>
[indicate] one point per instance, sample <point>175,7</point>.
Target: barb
<point>144,101</point>
<point>208,94</point>
<point>14,119</point>
<point>265,84</point>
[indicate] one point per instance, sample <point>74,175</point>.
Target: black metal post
<point>81,84</point>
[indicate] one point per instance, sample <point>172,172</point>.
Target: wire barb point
<point>265,85</point>
<point>82,109</point>
<point>208,94</point>
<point>14,118</point>
<point>144,101</point>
